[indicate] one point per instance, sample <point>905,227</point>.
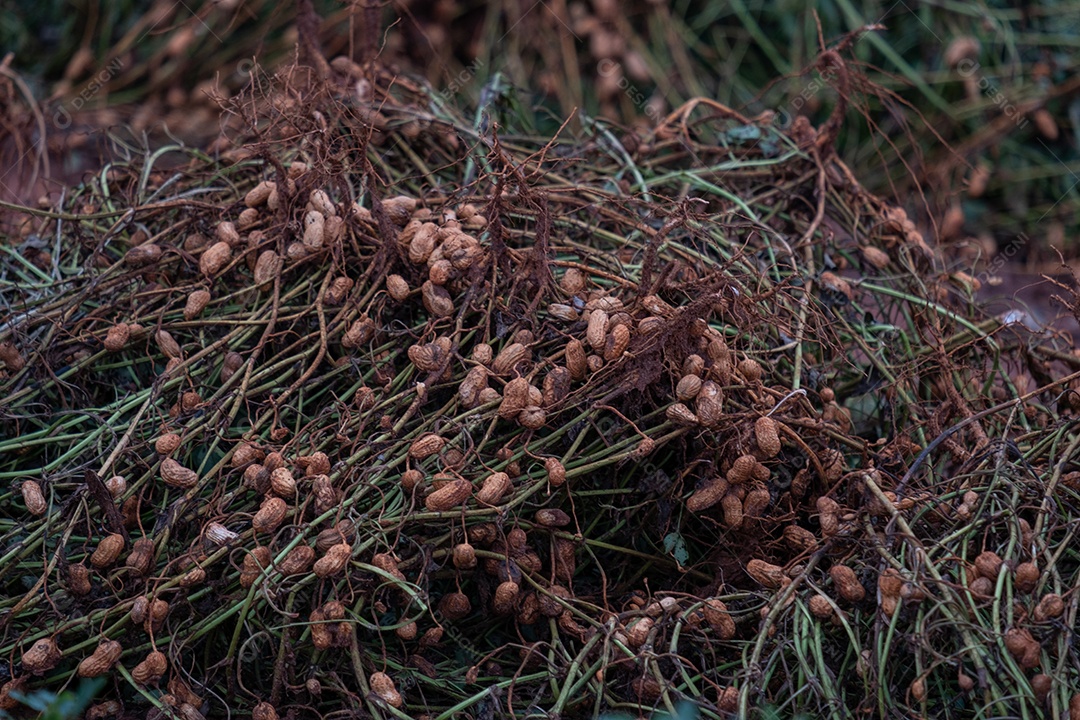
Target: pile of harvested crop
<point>391,415</point>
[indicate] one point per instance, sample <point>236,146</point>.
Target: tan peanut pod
<point>751,370</point>
<point>267,267</point>
<point>556,386</point>
<point>107,551</point>
<point>339,290</point>
<point>426,357</point>
<point>117,337</point>
<point>618,340</point>
<point>719,619</point>
<point>509,358</point>
<point>226,232</point>
<point>42,657</point>
<point>218,534</point>
<point>989,564</point>
<point>143,255</point>
<point>314,227</point>
<point>709,404</point>
<point>688,388</point>
<point>890,584</point>
<point>33,498</point>
<point>259,194</point>
<point>193,577</point>
<point>494,487</point>
<point>475,381</point>
<point>426,445</point>
<point>573,281</point>
<point>732,507</point>
<point>168,346</point>
<point>78,579</point>
<point>680,414</point>
<point>767,574</point>
<point>563,312</point>
<point>451,495</point>
<point>270,515</point>
<point>245,454</point>
<point>150,670</point>
<point>742,470</point>
<point>464,556</point>
<point>157,611</point>
<point>532,417</point>
<point>298,560</point>
<point>141,557</point>
<point>505,600</point>
<point>383,687</point>
<point>1023,647</point>
<point>597,329</point>
<point>167,443</point>
<point>820,607</point>
<point>334,561</point>
<point>455,606</point>
<point>767,437</point>
<point>254,562</point>
<point>694,364</point>
<point>847,583</point>
<point>564,559</point>
<point>436,299</point>
<point>552,517</point>
<point>1050,606</point>
<point>230,364</point>
<point>638,633</point>
<point>576,360</point>
<point>282,483</point>
<point>423,242</point>
<point>140,607</point>
<point>176,475</point>
<point>326,497</point>
<point>215,258</point>
<point>756,502</point>
<point>360,333</point>
<point>1026,577</point>
<point>799,539</point>
<point>396,287</point>
<point>707,495</point>
<point>264,711</point>
<point>515,398</point>
<point>556,473</point>
<point>101,661</point>
<point>196,303</point>
<point>1074,707</point>
<point>410,479</point>
<point>387,563</point>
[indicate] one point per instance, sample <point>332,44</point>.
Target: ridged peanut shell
<point>449,496</point>
<point>509,357</point>
<point>270,515</point>
<point>298,560</point>
<point>196,303</point>
<point>102,660</point>
<point>707,495</point>
<point>42,657</point>
<point>767,436</point>
<point>426,445</point>
<point>334,561</point>
<point>150,670</point>
<point>494,487</point>
<point>383,687</point>
<point>33,497</point>
<point>176,475</point>
<point>117,337</point>
<point>215,258</point>
<point>107,551</point>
